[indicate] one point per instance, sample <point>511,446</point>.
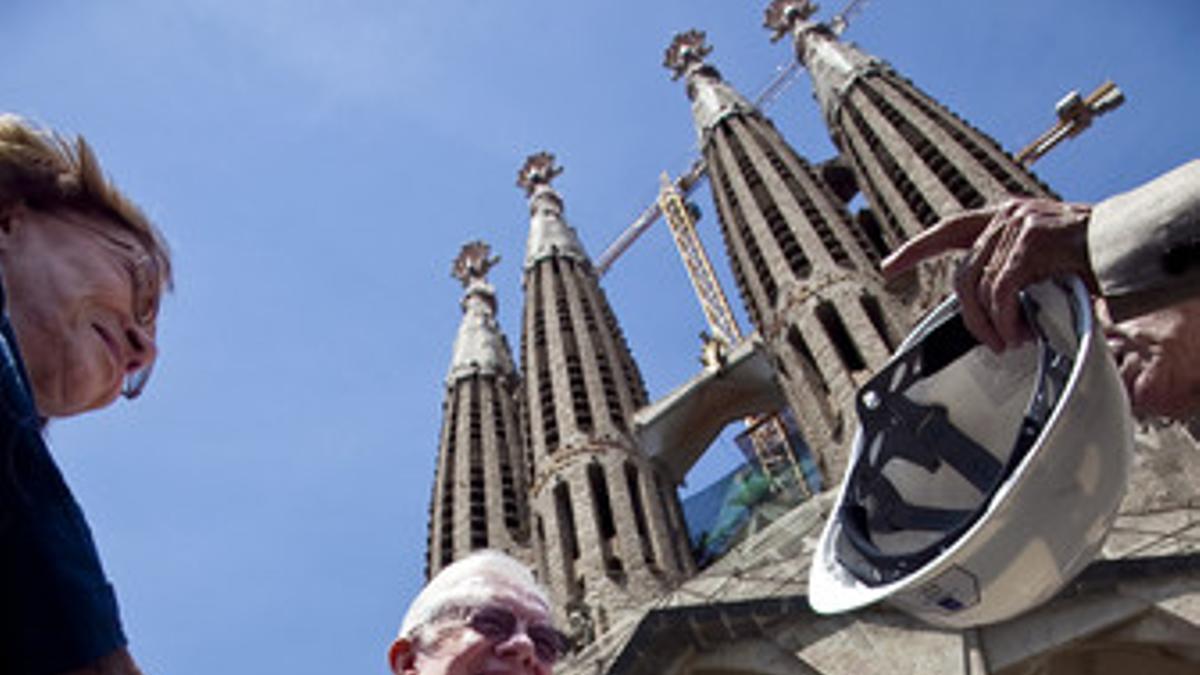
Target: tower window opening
<point>754,256</point>
<point>505,452</point>
<point>611,399</point>
<point>804,199</point>
<point>545,386</point>
<point>671,517</point>
<point>874,312</point>
<point>477,495</point>
<point>580,404</point>
<point>604,513</point>
<point>448,480</point>
<point>729,236</point>
<point>812,372</point>
<point>633,377</point>
<point>566,521</point>
<point>639,512</point>
<point>981,147</point>
<point>783,236</point>
<point>950,177</point>
<point>908,191</point>
<point>843,343</point>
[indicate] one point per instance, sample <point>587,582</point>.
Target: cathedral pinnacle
<point>549,234</point>
<point>539,169</point>
<point>783,16</point>
<point>473,262</point>
<point>686,50</point>
<point>712,99</point>
<point>479,347</point>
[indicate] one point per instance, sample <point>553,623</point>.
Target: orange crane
<point>767,433</point>
<point>1074,115</point>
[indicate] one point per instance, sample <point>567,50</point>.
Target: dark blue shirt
<point>57,610</point>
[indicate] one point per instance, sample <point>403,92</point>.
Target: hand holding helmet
<point>979,482</point>
<point>1010,246</point>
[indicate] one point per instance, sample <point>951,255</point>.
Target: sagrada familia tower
<point>553,461</point>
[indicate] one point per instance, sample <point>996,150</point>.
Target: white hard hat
<point>979,483</point>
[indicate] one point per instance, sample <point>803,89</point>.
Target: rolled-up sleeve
<point>1144,244</point>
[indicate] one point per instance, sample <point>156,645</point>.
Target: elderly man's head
<point>482,614</point>
<point>83,272</point>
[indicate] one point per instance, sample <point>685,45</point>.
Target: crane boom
<point>785,75</point>
<point>1074,115</point>
<point>699,267</point>
<point>767,433</point>
<point>685,184</point>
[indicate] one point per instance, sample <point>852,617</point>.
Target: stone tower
<point>480,489</point>
<point>607,524</point>
<point>806,274</point>
<point>914,160</point>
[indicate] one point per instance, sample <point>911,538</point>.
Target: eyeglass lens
<point>499,624</point>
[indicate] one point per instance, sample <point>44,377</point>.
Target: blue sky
<point>316,166</point>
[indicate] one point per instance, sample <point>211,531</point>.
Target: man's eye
<point>493,624</point>
<point>548,643</point>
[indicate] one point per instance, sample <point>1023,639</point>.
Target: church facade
<point>548,459</point>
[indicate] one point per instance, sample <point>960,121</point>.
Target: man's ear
<point>402,656</point>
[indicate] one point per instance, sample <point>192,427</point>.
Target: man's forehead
<point>485,590</point>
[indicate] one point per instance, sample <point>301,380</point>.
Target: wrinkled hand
<point>1157,355</point>
<point>1011,246</point>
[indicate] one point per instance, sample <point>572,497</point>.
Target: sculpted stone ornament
<point>539,169</point>
<point>579,621</point>
<point>782,16</point>
<point>473,262</point>
<point>686,49</point>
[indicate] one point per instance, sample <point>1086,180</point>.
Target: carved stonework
<point>686,49</point>
<point>581,628</point>
<point>473,262</point>
<point>782,16</point>
<point>539,169</point>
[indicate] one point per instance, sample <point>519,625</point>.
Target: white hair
<point>470,582</point>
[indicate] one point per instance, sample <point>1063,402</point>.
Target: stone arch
<point>1151,642</point>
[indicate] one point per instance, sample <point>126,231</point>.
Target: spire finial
<point>686,49</point>
<point>782,16</point>
<point>473,262</point>
<point>539,169</point>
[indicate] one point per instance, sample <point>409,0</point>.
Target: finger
<point>972,305</point>
<point>956,232</point>
<point>1012,274</point>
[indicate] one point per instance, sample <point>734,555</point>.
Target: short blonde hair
<point>46,171</point>
<point>469,582</point>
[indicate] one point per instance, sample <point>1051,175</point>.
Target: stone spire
<point>712,99</point>
<point>805,271</point>
<point>549,233</point>
<point>480,347</point>
<point>834,65</point>
<point>479,495</point>
<point>607,524</point>
<point>913,159</point>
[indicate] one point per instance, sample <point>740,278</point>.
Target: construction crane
<point>785,75</point>
<point>1074,115</point>
<point>768,434</point>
